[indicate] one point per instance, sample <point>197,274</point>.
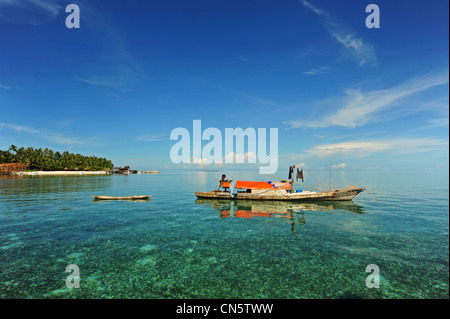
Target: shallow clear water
<point>175,246</point>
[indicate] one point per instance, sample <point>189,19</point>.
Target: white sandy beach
<point>46,173</point>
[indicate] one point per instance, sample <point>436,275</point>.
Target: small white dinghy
<point>138,197</point>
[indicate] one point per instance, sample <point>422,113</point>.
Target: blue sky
<point>341,95</point>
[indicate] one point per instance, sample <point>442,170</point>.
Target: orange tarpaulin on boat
<point>257,185</point>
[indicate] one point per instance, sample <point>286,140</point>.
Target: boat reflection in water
<point>294,212</point>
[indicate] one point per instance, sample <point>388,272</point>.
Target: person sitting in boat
<point>223,180</point>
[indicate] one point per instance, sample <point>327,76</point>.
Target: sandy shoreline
<point>42,173</point>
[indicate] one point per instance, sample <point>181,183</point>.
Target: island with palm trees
<point>21,160</point>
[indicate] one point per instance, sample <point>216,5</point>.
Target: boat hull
<point>333,195</point>
<point>139,197</point>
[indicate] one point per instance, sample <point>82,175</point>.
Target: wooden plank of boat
<point>138,197</point>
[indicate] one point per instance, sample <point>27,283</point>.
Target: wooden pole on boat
<point>330,178</point>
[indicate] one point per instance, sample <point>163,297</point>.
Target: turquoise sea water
<point>175,246</point>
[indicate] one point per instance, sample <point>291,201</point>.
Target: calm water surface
<point>175,246</point>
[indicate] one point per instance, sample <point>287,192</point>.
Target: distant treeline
<point>48,160</point>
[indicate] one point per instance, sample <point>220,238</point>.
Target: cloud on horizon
<point>361,149</point>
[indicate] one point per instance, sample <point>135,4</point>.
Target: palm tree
<point>13,149</point>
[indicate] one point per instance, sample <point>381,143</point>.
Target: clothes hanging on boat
<point>299,175</point>
<point>291,172</point>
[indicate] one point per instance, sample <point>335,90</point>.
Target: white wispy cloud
<point>318,70</point>
<point>52,7</point>
<point>33,11</point>
<point>53,137</point>
<point>250,97</point>
<point>9,87</point>
<point>105,81</point>
<point>360,149</point>
<point>240,158</point>
<point>152,137</point>
<point>363,52</point>
<point>439,122</point>
<point>339,166</point>
<point>359,108</point>
<point>116,67</point>
<point>442,106</point>
<point>18,128</point>
<point>62,140</point>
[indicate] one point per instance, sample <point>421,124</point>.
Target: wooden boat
<point>279,191</point>
<point>284,195</point>
<point>138,197</point>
